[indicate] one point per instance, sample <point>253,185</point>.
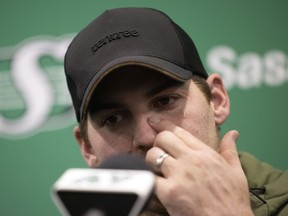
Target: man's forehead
<point>109,95</point>
<point>122,83</point>
<point>133,77</point>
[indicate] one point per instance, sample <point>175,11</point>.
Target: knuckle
<point>174,190</point>
<point>163,136</point>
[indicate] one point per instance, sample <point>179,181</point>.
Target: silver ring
<point>160,159</point>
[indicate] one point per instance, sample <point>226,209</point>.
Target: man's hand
<point>197,180</point>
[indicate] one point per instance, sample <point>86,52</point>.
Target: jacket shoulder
<point>268,186</point>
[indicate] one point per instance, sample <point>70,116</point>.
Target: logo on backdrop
<point>249,70</point>
<point>33,92</point>
<point>34,96</point>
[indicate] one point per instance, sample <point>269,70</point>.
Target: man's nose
<point>144,134</point>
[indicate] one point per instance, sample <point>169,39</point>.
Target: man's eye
<point>112,119</point>
<point>166,101</point>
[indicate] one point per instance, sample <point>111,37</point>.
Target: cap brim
<point>163,66</point>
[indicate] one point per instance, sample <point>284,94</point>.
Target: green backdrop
<point>245,41</point>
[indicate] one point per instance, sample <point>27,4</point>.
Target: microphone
<point>124,161</point>
<point>122,185</point>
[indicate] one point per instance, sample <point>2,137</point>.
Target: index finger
<point>189,139</point>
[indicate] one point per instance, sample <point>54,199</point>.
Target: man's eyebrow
<point>162,87</point>
<point>94,108</point>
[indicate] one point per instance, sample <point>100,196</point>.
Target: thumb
<point>228,149</point>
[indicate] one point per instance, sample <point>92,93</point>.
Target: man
<point>138,86</point>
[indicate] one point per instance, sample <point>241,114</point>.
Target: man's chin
<point>154,208</point>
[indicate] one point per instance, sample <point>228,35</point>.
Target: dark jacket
<point>268,187</point>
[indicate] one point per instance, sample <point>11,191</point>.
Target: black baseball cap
<point>127,36</point>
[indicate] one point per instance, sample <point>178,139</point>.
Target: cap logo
<point>114,36</point>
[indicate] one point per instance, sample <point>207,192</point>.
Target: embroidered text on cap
<point>112,37</point>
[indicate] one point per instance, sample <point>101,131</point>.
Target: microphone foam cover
<point>124,161</point>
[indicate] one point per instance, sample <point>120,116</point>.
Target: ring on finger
<point>160,159</point>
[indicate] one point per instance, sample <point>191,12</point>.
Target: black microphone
<point>122,185</point>
<point>124,161</point>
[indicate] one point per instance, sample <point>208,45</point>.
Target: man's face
<point>125,100</point>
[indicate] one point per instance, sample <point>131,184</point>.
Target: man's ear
<point>219,98</point>
<point>86,149</point>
